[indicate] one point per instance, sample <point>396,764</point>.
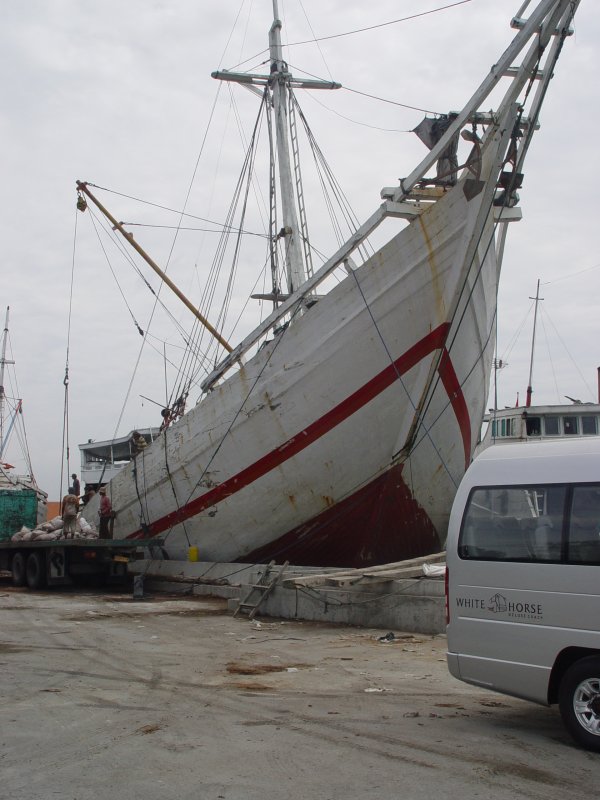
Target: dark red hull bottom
<point>379,524</point>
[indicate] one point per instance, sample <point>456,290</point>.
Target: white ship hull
<point>300,453</point>
<point>342,441</point>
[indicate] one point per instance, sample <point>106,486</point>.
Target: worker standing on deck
<point>76,487</point>
<point>106,514</point>
<point>138,443</point>
<point>69,510</point>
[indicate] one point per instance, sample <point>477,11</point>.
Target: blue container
<point>17,508</point>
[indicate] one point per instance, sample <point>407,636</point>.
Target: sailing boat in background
<point>337,431</point>
<point>22,502</point>
<point>542,421</point>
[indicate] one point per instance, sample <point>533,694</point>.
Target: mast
<point>279,74</point>
<point>280,81</point>
<point>537,299</point>
<point>3,362</point>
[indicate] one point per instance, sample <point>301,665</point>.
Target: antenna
<point>537,299</point>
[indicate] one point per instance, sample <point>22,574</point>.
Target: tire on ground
<point>17,568</point>
<point>36,570</point>
<point>579,701</point>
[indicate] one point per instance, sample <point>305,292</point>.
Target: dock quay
<point>407,595</point>
<point>172,698</point>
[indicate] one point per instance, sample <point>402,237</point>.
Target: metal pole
<point>279,76</point>
<point>2,394</point>
<point>537,299</point>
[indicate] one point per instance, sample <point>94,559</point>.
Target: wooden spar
<point>82,187</point>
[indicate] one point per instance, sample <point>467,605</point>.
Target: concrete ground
<point>106,698</point>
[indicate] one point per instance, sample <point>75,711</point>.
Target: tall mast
<point>280,81</point>
<point>279,86</point>
<point>3,361</point>
<point>537,299</point>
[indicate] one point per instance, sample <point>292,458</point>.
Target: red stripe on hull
<point>378,524</point>
<point>433,341</point>
<point>457,399</point>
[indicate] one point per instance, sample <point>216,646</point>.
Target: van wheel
<point>36,571</point>
<point>17,568</point>
<point>579,701</point>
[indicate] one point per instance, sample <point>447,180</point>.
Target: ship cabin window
<point>503,427</point>
<point>551,426</point>
<point>570,426</point>
<point>534,426</point>
<point>589,426</point>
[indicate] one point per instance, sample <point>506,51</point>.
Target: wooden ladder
<point>261,590</point>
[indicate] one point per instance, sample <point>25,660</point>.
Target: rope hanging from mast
<point>65,457</point>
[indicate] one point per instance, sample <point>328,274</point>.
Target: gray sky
<point>120,94</point>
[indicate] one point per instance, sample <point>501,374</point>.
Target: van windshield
<point>533,523</point>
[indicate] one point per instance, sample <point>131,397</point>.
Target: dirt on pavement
<point>106,697</point>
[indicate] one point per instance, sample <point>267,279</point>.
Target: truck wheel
<point>17,568</point>
<point>36,571</point>
<point>579,701</point>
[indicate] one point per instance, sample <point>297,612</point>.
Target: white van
<point>523,578</point>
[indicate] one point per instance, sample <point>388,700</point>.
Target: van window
<point>584,526</point>
<point>533,523</point>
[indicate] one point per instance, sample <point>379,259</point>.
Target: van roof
<point>564,460</point>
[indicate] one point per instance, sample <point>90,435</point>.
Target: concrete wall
<point>415,605</point>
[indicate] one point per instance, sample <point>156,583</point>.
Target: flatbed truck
<point>58,562</point>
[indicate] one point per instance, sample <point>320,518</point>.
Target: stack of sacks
<point>53,530</point>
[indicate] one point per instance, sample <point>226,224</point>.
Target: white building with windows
<point>101,461</point>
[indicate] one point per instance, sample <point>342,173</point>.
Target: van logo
<point>497,603</point>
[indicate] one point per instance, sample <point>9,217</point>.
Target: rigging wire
<point>380,25</point>
<point>17,426</point>
<point>314,39</point>
<point>157,294</point>
<point>352,32</point>
<point>178,211</point>
<point>364,124</point>
<point>456,322</point>
<point>196,230</point>
<point>176,391</point>
<point>278,340</point>
<point>326,176</point>
<point>371,96</point>
<point>245,179</point>
<point>545,315</point>
<point>550,359</point>
<point>99,222</point>
<point>516,159</point>
<point>210,285</point>
<point>571,275</point>
<point>122,293</point>
<point>545,320</point>
<point>65,455</point>
<point>514,338</point>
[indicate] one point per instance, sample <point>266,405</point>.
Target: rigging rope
<point>279,339</point>
<point>65,437</point>
<point>352,32</point>
<point>380,25</point>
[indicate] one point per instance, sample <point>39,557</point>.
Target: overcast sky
<point>120,94</point>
